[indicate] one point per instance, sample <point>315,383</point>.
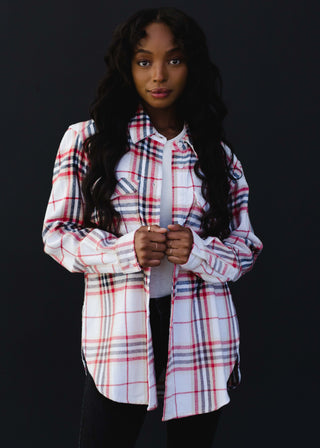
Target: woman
<point>150,203</point>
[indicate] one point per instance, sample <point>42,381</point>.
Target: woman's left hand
<point>179,243</point>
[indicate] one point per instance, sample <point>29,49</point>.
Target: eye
<point>143,63</point>
<point>175,61</point>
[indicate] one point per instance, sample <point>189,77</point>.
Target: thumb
<point>156,228</point>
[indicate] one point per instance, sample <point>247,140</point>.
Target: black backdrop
<point>52,60</point>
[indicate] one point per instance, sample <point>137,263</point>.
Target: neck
<point>165,121</point>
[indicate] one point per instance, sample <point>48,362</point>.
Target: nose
<point>160,73</point>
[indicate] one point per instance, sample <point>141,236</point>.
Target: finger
<point>146,259</point>
<point>157,247</point>
<point>157,237</point>
<point>172,244</point>
<point>177,244</point>
<point>176,235</point>
<point>154,263</point>
<point>147,238</point>
<point>156,229</point>
<point>178,256</point>
<point>150,263</point>
<point>155,256</point>
<point>174,260</point>
<point>181,252</point>
<point>173,252</point>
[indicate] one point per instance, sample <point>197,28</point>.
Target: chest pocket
<point>198,207</point>
<point>199,200</point>
<point>125,199</point>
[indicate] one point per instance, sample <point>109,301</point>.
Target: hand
<point>150,246</point>
<point>179,243</point>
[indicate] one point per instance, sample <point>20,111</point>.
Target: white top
<point>161,276</point>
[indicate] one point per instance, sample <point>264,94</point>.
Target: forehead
<point>158,36</point>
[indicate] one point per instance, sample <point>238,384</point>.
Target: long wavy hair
<point>200,105</point>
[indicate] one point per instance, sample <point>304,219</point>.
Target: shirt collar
<point>141,127</point>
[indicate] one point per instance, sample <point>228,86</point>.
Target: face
<point>159,69</point>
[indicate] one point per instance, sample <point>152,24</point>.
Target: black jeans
<point>106,423</point>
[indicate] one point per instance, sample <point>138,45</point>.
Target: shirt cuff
<point>196,256</point>
<point>126,253</point>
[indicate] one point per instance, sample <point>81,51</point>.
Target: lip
<point>159,93</point>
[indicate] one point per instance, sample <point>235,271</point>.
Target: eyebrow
<point>141,50</point>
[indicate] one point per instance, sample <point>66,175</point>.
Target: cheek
<point>135,76</point>
<point>138,80</point>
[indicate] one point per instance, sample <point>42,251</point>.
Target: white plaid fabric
<point>203,351</point>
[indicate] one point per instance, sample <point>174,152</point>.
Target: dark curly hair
<point>200,105</point>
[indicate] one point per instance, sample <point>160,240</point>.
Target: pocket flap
<point>125,186</point>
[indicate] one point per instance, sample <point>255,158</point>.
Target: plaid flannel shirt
<point>203,350</point>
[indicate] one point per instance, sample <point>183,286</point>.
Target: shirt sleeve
<point>217,261</point>
<point>78,248</point>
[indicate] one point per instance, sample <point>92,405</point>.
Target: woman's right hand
<point>150,245</point>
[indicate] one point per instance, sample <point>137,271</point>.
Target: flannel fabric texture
<point>203,349</point>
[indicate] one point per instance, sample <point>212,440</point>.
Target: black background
<point>52,59</point>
